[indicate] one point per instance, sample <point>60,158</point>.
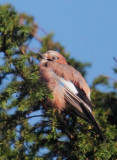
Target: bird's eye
<point>54,58</point>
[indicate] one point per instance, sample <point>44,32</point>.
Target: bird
<point>68,87</point>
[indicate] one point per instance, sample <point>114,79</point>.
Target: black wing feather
<point>82,108</point>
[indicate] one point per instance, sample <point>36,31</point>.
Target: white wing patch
<point>71,89</point>
<point>69,84</point>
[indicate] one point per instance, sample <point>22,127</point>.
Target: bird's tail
<point>92,120</point>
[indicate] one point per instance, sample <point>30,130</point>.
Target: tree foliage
<point>27,129</point>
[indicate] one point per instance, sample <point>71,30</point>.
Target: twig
<point>37,37</point>
<point>43,30</point>
<point>36,116</point>
<point>110,78</point>
<point>115,59</point>
<point>23,50</point>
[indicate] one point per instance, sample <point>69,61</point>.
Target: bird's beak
<point>42,56</point>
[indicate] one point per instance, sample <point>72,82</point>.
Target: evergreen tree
<point>29,131</point>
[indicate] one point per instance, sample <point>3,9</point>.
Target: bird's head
<point>52,56</point>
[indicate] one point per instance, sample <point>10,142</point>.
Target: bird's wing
<point>71,96</point>
<point>80,106</point>
<point>83,96</point>
<point>69,73</point>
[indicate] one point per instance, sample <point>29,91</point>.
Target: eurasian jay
<point>67,85</point>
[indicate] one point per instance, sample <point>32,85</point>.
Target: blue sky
<point>86,28</point>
